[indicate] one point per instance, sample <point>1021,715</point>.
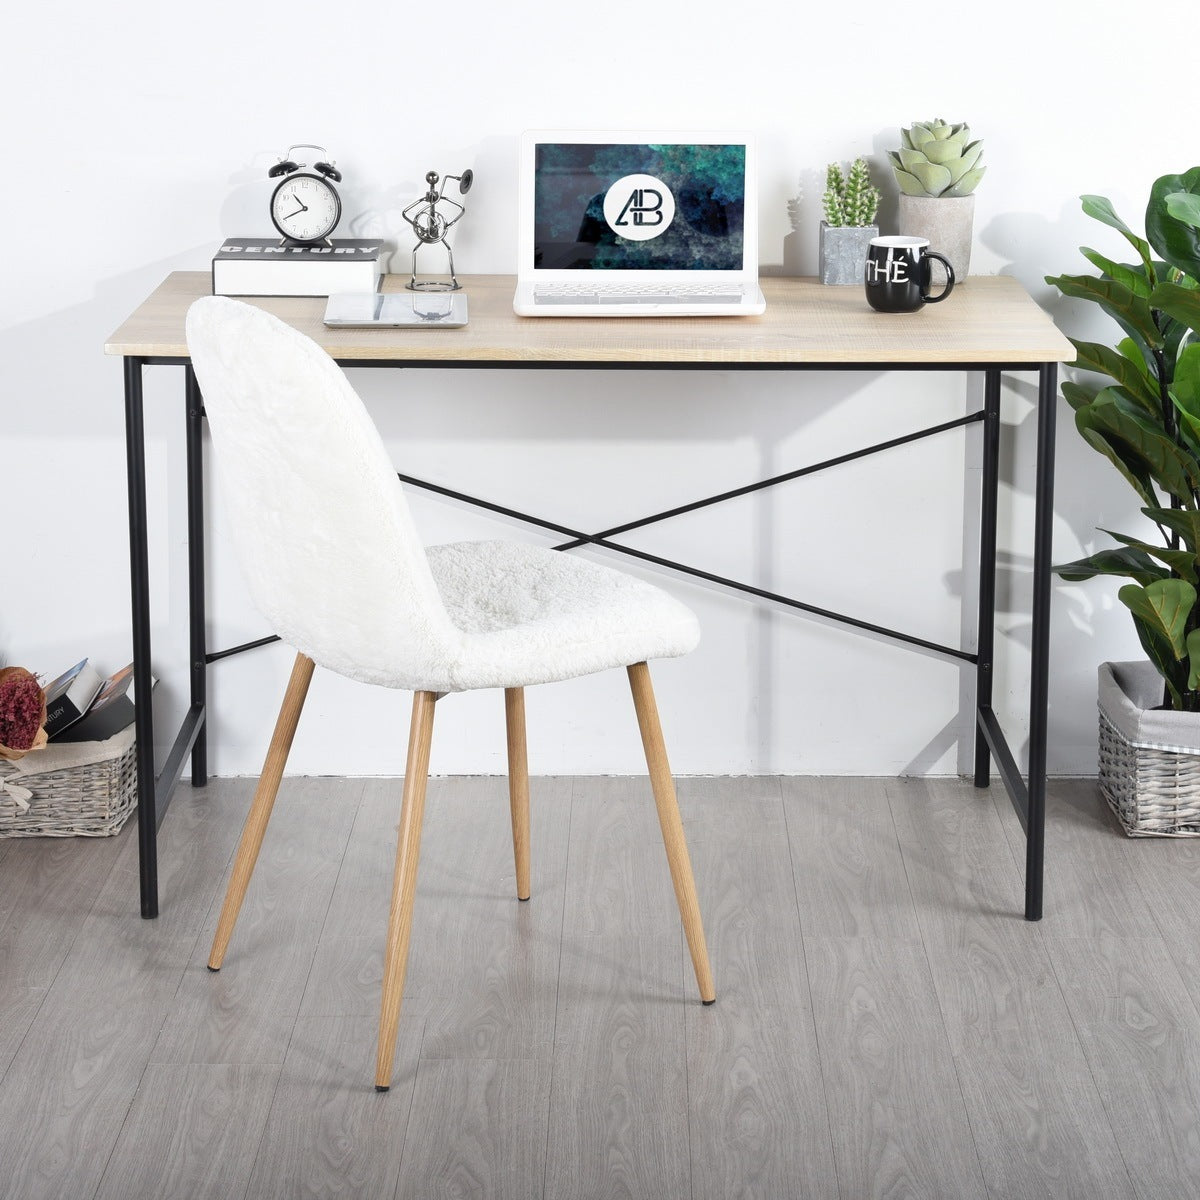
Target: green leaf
<point>1165,606</point>
<point>908,183</point>
<point>1185,387</point>
<point>1130,311</point>
<point>968,159</point>
<point>1130,562</point>
<point>1180,562</point>
<point>1076,395</point>
<point>1101,209</point>
<point>1135,279</point>
<point>1136,355</point>
<point>934,179</point>
<point>1141,444</point>
<point>1185,207</point>
<point>1160,653</point>
<point>1180,303</point>
<point>945,149</point>
<point>1091,356</point>
<point>1184,390</point>
<point>1134,471</point>
<point>1183,521</point>
<point>967,184</point>
<point>1161,613</point>
<point>1177,241</point>
<point>1193,649</point>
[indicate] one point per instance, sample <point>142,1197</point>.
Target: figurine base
<point>433,285</point>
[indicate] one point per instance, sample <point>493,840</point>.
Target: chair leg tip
<point>213,969</point>
<point>383,1087</point>
<point>523,899</point>
<point>706,1003</point>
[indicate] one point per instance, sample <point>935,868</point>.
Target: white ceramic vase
<point>947,223</point>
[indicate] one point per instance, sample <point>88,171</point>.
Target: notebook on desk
<point>637,224</point>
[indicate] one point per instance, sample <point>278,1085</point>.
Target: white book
<point>269,267</point>
<point>70,695</point>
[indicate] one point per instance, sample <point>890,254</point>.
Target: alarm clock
<point>305,206</point>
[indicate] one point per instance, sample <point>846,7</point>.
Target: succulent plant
<point>849,199</point>
<point>937,159</point>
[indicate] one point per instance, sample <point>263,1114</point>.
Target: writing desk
<point>990,326</point>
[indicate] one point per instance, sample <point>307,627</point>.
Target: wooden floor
<point>886,1023</point>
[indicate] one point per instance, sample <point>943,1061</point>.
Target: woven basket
<point>1149,758</point>
<point>85,799</point>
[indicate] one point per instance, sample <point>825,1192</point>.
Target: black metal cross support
<point>604,537</point>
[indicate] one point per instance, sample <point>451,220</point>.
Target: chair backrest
<point>320,522</point>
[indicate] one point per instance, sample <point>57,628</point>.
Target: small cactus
<point>849,199</point>
<point>937,159</point>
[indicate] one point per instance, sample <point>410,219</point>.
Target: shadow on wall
<point>805,211</point>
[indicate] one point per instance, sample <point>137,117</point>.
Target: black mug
<point>897,274</point>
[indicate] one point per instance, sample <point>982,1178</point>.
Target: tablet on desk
<point>366,309</point>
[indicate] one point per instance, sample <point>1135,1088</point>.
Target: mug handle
<point>928,299</point>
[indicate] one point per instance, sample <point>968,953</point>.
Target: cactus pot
<point>843,251</point>
<point>948,223</point>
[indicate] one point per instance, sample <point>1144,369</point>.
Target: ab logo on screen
<point>639,207</point>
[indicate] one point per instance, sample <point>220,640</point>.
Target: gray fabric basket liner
<point>1128,693</point>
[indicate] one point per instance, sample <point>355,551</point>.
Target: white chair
<point>335,565</point>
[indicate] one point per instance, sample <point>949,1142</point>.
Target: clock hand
<point>302,208</point>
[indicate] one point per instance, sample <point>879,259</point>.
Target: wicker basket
<point>1149,758</point>
<point>51,793</point>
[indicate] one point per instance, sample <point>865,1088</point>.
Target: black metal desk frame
<point>1028,794</point>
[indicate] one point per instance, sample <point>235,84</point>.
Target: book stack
<point>83,706</point>
<point>269,267</point>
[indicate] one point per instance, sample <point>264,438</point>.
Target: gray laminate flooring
<point>886,1024</point>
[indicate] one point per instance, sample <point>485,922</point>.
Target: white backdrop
<point>138,137</point>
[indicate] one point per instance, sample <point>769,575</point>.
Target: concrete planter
<point>948,224</point>
<point>843,252</point>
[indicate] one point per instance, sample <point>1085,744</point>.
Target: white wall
<point>138,137</point>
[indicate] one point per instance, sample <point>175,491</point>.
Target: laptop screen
<point>610,206</point>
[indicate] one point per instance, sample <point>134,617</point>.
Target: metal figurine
<point>432,226</point>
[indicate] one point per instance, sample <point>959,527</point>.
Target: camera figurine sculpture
<point>431,225</point>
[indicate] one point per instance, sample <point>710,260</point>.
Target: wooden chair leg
<point>260,809</point>
<point>518,784</point>
<point>404,884</point>
<point>672,827</point>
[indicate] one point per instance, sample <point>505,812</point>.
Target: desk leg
<point>198,645</point>
<point>139,578</point>
<point>1040,651</point>
<point>986,628</point>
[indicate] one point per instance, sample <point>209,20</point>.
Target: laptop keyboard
<point>635,293</point>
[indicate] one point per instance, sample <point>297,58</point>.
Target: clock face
<point>305,207</point>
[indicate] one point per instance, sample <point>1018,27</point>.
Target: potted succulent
<point>937,169</point>
<point>1144,416</point>
<point>849,204</point>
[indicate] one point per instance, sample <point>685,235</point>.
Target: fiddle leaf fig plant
<point>1144,417</point>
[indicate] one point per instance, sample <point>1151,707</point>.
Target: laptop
<point>616,224</point>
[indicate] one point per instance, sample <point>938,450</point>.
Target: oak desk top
<point>990,319</point>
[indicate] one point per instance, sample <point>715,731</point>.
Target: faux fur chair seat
<point>335,565</point>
